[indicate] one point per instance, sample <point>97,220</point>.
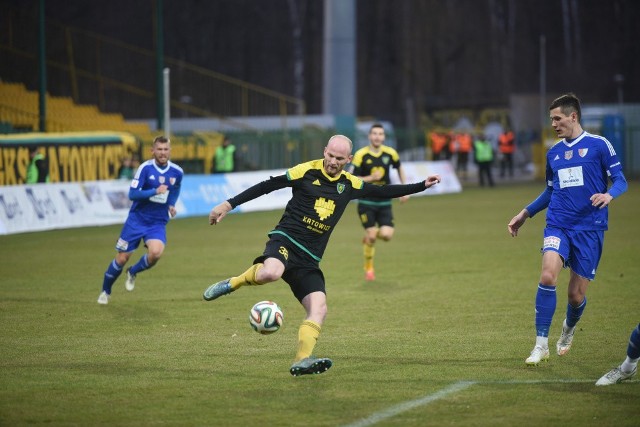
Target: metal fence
<point>119,77</point>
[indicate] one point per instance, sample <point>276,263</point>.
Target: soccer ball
<point>266,317</point>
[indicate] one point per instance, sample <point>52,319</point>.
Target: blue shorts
<point>134,231</point>
<point>580,249</point>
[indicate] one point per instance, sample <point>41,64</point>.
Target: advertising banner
<point>36,207</point>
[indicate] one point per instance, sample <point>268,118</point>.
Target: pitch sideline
<point>430,398</point>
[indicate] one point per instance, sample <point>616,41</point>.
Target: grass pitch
<point>439,338</point>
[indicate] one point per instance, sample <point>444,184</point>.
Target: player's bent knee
<point>265,275</point>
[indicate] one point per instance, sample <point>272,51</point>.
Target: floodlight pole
<point>159,62</point>
<point>167,102</point>
<point>42,70</point>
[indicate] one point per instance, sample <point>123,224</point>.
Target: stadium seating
<point>19,111</point>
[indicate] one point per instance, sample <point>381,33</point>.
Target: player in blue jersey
<point>576,197</point>
<point>154,191</point>
<point>373,164</point>
<point>321,191</point>
<point>629,367</point>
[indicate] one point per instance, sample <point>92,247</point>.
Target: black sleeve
<point>390,191</point>
<point>265,187</point>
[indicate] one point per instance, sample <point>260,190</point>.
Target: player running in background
<point>154,190</point>
<point>577,172</point>
<point>373,163</point>
<point>321,191</point>
<point>629,367</point>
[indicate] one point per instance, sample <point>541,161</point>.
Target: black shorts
<point>301,272</point>
<point>370,215</point>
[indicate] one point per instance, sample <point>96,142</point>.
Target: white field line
<point>410,404</point>
<point>385,414</point>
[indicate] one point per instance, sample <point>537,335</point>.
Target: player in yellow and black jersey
<point>373,164</point>
<point>321,190</point>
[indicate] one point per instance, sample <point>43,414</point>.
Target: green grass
<point>453,302</point>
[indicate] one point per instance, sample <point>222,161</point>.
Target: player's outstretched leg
<point>225,287</point>
<point>217,290</point>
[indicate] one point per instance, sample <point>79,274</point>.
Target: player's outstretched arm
<point>219,212</point>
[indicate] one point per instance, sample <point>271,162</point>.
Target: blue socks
<point>545,308</point>
<point>141,265</point>
<point>633,350</point>
<point>574,313</point>
<point>110,276</point>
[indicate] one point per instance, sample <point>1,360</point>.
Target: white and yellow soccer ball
<point>266,317</point>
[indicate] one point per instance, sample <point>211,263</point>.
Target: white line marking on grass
<point>535,382</point>
<point>453,388</point>
<point>411,404</point>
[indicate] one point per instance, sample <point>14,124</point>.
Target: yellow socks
<point>369,252</point>
<point>246,278</point>
<point>307,336</point>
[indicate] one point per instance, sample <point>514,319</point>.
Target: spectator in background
<point>126,169</point>
<point>506,145</point>
<point>465,143</point>
<point>225,158</point>
<point>483,156</point>
<point>438,143</point>
<point>38,169</point>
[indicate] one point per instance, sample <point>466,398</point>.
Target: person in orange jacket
<point>506,145</point>
<point>464,146</point>
<point>438,142</point>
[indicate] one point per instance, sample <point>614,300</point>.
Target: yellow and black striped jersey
<point>365,162</point>
<point>318,201</point>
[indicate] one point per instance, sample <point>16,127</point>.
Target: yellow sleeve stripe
<point>356,182</point>
<point>298,171</point>
<point>391,151</point>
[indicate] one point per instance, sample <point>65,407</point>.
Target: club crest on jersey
<point>340,187</point>
<point>568,155</point>
<point>161,179</point>
<point>172,180</point>
<point>324,208</point>
<point>583,152</point>
<point>385,160</point>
